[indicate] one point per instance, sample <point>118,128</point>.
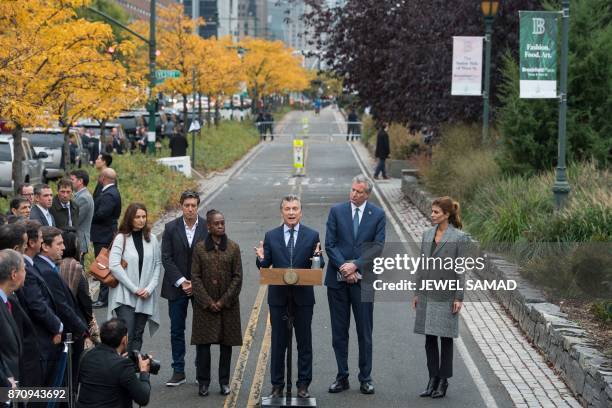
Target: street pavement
<point>249,196</point>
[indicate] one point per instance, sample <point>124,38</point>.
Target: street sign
<point>195,126</point>
<point>162,74</point>
<point>538,52</point>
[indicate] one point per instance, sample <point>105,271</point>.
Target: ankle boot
<point>431,386</point>
<point>440,390</point>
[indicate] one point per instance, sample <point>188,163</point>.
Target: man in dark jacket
<point>107,209</point>
<point>180,237</point>
<point>106,379</point>
<point>64,210</point>
<point>382,150</point>
<point>178,145</point>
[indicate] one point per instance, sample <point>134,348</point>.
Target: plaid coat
<point>216,274</point>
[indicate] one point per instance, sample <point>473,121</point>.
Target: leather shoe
<point>440,391</point>
<point>203,390</point>
<point>339,385</point>
<point>431,386</point>
<point>98,305</point>
<point>366,388</point>
<point>277,392</point>
<point>225,389</point>
<point>303,391</point>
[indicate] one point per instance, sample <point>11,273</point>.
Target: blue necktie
<point>291,245</point>
<point>356,223</point>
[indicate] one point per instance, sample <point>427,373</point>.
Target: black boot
<point>441,389</point>
<point>431,386</point>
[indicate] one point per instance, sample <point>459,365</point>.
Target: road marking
<point>243,358</point>
<point>482,386</point>
<point>260,369</point>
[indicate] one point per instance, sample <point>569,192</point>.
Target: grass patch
<point>218,148</point>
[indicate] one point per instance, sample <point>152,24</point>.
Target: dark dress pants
<point>177,310</point>
<point>135,323</point>
<point>439,363</point>
<point>341,301</point>
<point>280,341</point>
<point>203,364</point>
<point>103,295</point>
<point>380,167</point>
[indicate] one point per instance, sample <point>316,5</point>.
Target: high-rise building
<point>228,18</point>
<point>208,10</point>
<point>141,9</point>
<point>252,18</point>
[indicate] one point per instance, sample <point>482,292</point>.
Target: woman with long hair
<point>135,261</point>
<point>437,311</point>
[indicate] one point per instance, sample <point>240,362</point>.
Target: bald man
<point>107,208</point>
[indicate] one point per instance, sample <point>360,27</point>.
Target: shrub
<point>368,130</point>
<point>4,205</point>
<point>603,311</point>
<point>218,148</point>
<point>460,164</point>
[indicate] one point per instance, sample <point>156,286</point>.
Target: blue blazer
<point>341,246</point>
<point>67,309</point>
<point>107,209</point>
<point>276,255</point>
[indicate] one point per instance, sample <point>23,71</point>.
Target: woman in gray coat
<point>135,261</point>
<point>437,311</point>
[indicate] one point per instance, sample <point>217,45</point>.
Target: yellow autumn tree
<point>49,60</point>
<point>271,67</point>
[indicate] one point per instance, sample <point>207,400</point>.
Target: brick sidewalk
<point>520,368</point>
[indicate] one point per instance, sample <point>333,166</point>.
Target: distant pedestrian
<point>178,145</point>
<point>382,150</point>
<point>261,126</point>
<point>352,125</point>
<point>269,119</point>
<point>169,128</point>
<point>437,311</point>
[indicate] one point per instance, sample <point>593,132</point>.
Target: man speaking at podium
<point>292,245</point>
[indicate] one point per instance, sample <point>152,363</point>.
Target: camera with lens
<point>154,366</point>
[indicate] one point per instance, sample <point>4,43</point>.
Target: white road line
<point>482,386</point>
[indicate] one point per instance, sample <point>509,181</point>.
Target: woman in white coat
<point>135,261</point>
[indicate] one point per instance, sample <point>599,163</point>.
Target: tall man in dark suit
<point>352,227</point>
<point>46,261</point>
<point>103,162</point>
<point>12,276</point>
<point>180,237</point>
<point>106,378</point>
<point>43,198</point>
<point>107,209</point>
<point>63,208</point>
<point>292,245</point>
<point>15,237</point>
<point>40,304</point>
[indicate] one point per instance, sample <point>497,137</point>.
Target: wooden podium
<point>290,277</point>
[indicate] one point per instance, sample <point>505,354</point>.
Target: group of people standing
<point>45,293</point>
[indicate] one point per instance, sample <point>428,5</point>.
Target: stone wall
<point>586,371</point>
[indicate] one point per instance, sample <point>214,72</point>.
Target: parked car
<point>133,119</point>
<point>51,141</point>
<point>33,166</point>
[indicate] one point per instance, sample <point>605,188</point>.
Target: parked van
<point>33,166</point>
<point>51,141</point>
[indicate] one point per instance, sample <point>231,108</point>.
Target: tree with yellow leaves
<point>49,59</point>
<point>271,67</point>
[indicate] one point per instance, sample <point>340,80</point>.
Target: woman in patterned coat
<point>216,279</point>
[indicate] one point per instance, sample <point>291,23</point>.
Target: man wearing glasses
<point>26,190</point>
<point>180,237</point>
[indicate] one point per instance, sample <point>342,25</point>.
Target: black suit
<point>60,214</point>
<point>277,255</point>
<point>37,214</point>
<point>10,341</point>
<point>107,209</point>
<point>42,310</point>
<point>30,367</point>
<point>108,380</point>
<point>176,257</point>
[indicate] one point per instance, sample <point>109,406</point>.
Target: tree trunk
<point>103,140</point>
<point>66,153</point>
<point>200,108</point>
<point>18,157</point>
<point>208,112</point>
<point>185,114</point>
<point>217,112</point>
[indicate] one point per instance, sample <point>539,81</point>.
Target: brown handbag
<point>100,269</point>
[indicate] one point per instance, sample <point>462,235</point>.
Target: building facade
<point>141,9</point>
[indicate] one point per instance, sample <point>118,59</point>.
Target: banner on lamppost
<point>467,66</point>
<point>538,54</point>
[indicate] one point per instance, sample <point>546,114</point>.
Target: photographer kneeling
<point>107,378</point>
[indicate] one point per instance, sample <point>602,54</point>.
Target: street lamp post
<point>489,10</point>
<point>561,188</point>
<point>152,57</point>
